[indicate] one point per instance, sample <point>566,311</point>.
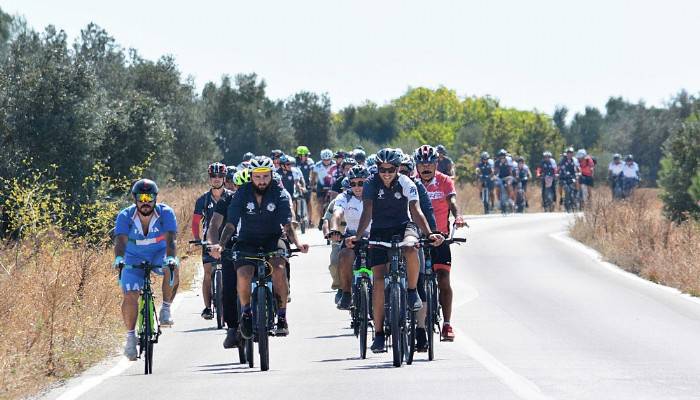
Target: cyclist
<point>275,156</point>
<point>630,174</point>
<point>614,171</point>
<point>444,200</point>
<point>360,156</point>
<point>548,168</point>
<point>145,232</point>
<point>445,164</point>
<point>348,207</point>
<point>305,165</point>
<point>228,275</point>
<point>587,167</point>
<point>203,210</point>
<point>522,174</point>
<point>568,169</point>
<point>260,209</point>
<point>388,198</point>
<point>504,172</point>
<point>322,177</point>
<point>246,160</point>
<point>229,183</point>
<point>335,246</point>
<point>290,180</point>
<point>484,170</point>
<point>346,165</point>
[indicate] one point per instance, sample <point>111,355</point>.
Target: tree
<point>369,121</point>
<point>429,116</point>
<point>679,170</point>
<point>585,128</point>
<point>310,116</point>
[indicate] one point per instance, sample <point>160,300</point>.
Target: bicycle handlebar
<point>144,266</point>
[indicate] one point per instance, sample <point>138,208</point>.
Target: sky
<point>532,54</point>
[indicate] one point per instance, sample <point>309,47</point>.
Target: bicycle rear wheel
<point>363,314</point>
<point>395,321</point>
<point>261,327</point>
<point>218,299</point>
<point>430,318</point>
<point>411,337</point>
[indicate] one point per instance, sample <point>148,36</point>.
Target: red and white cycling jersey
<point>439,189</point>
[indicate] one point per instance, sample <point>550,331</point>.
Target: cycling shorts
<point>269,245</point>
<point>208,259</point>
<point>489,183</point>
<point>586,180</point>
<point>441,257</point>
<point>380,255</point>
<point>132,279</point>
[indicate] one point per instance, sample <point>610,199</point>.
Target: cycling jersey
<point>523,173</point>
<point>615,169</point>
<point>324,174</point>
<point>548,168</point>
<point>259,222</point>
<point>426,206</point>
<point>586,166</point>
<point>445,165</point>
<point>485,168</point>
<point>203,210</point>
<point>287,179</point>
<point>502,168</point>
<point>305,167</point>
<point>567,167</point>
<point>352,210</point>
<point>390,204</point>
<point>221,207</point>
<point>149,247</point>
<point>630,171</point>
<point>440,188</point>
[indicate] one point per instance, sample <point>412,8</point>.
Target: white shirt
<point>352,211</point>
<point>297,175</point>
<point>615,169</point>
<point>630,171</point>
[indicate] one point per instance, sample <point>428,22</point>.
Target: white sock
<point>165,306</point>
<point>130,334</point>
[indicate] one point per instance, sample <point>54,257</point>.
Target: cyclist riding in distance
<point>445,164</point>
<point>322,178</point>
<point>568,169</point>
<point>229,181</point>
<point>246,161</point>
<point>260,209</point>
<point>630,171</point>
<point>360,156</point>
<point>203,210</point>
<point>335,246</point>
<point>346,165</point>
<point>614,170</point>
<point>484,171</point>
<point>442,192</point>
<point>548,168</point>
<point>275,157</point>
<point>388,198</point>
<point>504,172</point>
<point>348,207</point>
<point>145,232</point>
<point>523,174</point>
<point>587,168</point>
<point>228,269</point>
<point>290,180</point>
<point>306,165</point>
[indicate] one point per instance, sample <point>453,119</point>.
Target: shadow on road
<point>386,365</point>
<point>338,359</point>
<point>210,328</point>
<point>332,336</point>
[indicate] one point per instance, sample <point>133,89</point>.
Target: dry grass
<point>633,235</point>
<point>60,303</point>
<point>469,198</point>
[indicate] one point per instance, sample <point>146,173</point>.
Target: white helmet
<point>326,154</point>
<point>581,153</point>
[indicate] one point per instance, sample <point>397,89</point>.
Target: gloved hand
<point>170,260</point>
<point>118,262</point>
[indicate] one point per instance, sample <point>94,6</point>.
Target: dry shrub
<point>633,235</point>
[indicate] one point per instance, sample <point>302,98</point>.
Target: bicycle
<point>485,198</point>
<point>432,316</point>
<point>570,196</point>
<point>301,211</point>
<point>216,291</point>
<point>520,198</point>
<point>504,198</point>
<point>147,325</point>
<point>263,301</point>
<point>361,309</point>
<point>548,193</point>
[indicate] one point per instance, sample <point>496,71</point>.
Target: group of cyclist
<point>575,170</point>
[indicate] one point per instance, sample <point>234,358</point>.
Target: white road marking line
<point>564,237</point>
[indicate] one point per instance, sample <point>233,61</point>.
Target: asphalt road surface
<point>535,316</point>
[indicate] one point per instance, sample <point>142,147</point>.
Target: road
<point>535,317</point>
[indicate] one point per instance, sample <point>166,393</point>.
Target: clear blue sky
<point>529,54</point>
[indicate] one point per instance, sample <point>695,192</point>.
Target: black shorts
<point>441,257</point>
<point>380,255</point>
<point>586,180</point>
<point>206,258</point>
<point>272,244</point>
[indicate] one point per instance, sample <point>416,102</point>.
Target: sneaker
<point>338,296</point>
<point>378,343</point>
<point>281,329</point>
<point>130,349</point>
<point>421,340</point>
<point>447,334</point>
<point>231,340</point>
<point>527,205</point>
<point>246,326</point>
<point>413,300</point>
<point>345,301</point>
<point>207,313</point>
<point>165,318</point>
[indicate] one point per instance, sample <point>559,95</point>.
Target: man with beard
<point>443,196</point>
<point>145,232</point>
<point>259,210</point>
<point>203,210</point>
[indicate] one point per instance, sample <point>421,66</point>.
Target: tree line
<point>67,107</point>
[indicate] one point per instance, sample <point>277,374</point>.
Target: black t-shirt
<point>222,208</point>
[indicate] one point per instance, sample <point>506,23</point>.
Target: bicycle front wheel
<point>363,314</point>
<point>218,298</point>
<point>395,322</point>
<point>261,327</point>
<point>147,334</point>
<point>430,318</point>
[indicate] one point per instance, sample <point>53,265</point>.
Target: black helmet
<point>348,161</point>
<point>441,149</point>
<point>358,171</point>
<point>359,155</point>
<point>502,153</point>
<point>629,157</point>
<point>340,154</point>
<point>216,168</point>
<point>617,156</point>
<point>230,173</point>
<point>248,156</point>
<point>389,156</point>
<point>146,186</point>
<point>485,155</point>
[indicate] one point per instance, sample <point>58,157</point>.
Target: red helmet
<point>425,154</point>
<point>217,168</point>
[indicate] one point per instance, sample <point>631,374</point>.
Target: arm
<point>454,209</point>
<point>335,219</point>
<point>170,244</point>
<point>214,226</point>
<point>120,245</point>
<point>196,224</point>
<point>228,231</point>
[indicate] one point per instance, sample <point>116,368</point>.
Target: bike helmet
<point>441,149</point>
<point>276,153</point>
<point>501,153</point>
<point>241,177</point>
<point>303,151</point>
<point>581,153</point>
<point>485,156</point>
<point>230,173</point>
<point>547,154</point>
<point>144,186</point>
<point>569,150</point>
<point>617,156</point>
<point>519,159</point>
<point>248,156</point>
<point>389,156</point>
<point>345,183</point>
<point>359,155</point>
<point>629,157</point>
<point>291,160</point>
<point>425,154</point>
<point>372,169</point>
<point>371,159</point>
<point>407,161</point>
<point>348,161</point>
<point>358,171</point>
<point>284,159</point>
<point>326,154</point>
<point>216,168</point>
<point>262,164</point>
<point>340,154</point>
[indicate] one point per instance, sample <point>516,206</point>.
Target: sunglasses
<point>145,197</point>
<point>389,170</point>
<point>217,175</point>
<point>357,184</point>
